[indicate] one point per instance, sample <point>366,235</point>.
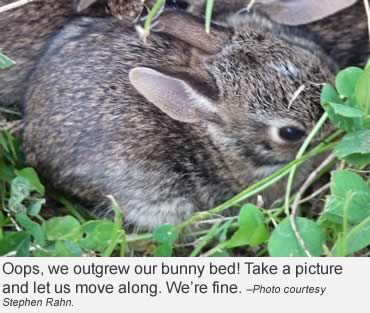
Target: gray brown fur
<point>23,35</point>
<point>343,36</point>
<point>90,133</point>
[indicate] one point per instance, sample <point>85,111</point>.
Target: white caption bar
<point>183,284</point>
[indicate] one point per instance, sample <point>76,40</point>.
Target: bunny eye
<point>291,134</point>
<point>179,4</point>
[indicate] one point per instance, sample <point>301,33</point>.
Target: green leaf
<point>358,238</point>
<point>33,179</point>
<point>32,227</point>
<point>163,250</point>
<point>23,249</point>
<point>5,62</point>
<point>165,234</point>
<point>366,122</point>
<point>6,172</point>
<point>225,229</point>
<point>97,235</point>
<point>48,251</point>
<point>220,254</point>
<point>344,183</point>
<point>63,228</point>
<point>346,111</point>
<point>358,159</point>
<point>252,230</point>
<point>4,143</point>
<point>67,248</point>
<point>15,241</point>
<point>10,145</point>
<point>357,142</point>
<point>283,242</point>
<point>362,92</point>
<point>19,190</point>
<point>35,206</point>
<point>330,96</point>
<point>346,80</point>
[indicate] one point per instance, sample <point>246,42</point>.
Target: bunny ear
<point>173,96</point>
<point>191,29</point>
<point>83,4</point>
<point>299,12</point>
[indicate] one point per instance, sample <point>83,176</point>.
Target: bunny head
<point>254,88</point>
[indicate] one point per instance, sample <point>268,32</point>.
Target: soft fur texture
<point>343,35</point>
<point>24,32</point>
<point>90,133</point>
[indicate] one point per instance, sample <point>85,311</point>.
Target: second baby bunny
<point>340,27</point>
<point>24,32</point>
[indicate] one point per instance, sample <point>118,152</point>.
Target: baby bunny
<point>24,32</point>
<point>175,124</point>
<point>339,27</point>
